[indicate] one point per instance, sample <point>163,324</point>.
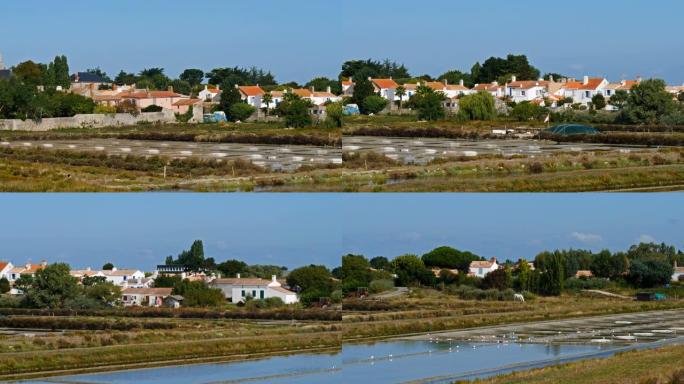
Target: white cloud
<point>646,239</point>
<point>586,238</point>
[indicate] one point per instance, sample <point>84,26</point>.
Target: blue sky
<point>140,230</point>
<point>509,225</point>
<point>302,39</point>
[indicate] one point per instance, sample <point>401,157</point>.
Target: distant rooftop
<point>87,77</point>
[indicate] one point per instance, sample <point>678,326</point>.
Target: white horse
<point>519,297</point>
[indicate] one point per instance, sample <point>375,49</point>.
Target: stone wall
<point>95,121</point>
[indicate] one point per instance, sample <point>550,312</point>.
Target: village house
<point>583,92</point>
<point>450,91</point>
<point>483,268</point>
<point>5,268</point>
<point>675,90</point>
<point>251,94</point>
<point>81,273</point>
<point>496,90</point>
<point>526,90</point>
<point>27,269</point>
<point>86,82</point>
<point>386,88</point>
<point>238,289</point>
<point>147,297</point>
<point>583,274</point>
<point>210,94</point>
<point>144,98</point>
<point>678,274</point>
<point>121,276</point>
<point>348,87</point>
<point>182,106</point>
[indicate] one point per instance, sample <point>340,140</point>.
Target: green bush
<point>152,108</point>
<point>241,111</point>
<point>377,286</point>
<point>478,106</point>
<point>374,104</point>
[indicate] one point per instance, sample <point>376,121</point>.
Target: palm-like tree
<point>268,98</point>
<point>401,92</point>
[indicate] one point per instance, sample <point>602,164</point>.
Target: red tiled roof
<point>182,102</point>
<point>435,85</point>
<point>147,291</point>
<point>385,83</point>
<point>251,90</point>
<point>591,85</point>
<point>302,92</point>
<point>242,281</point>
<point>527,84</point>
<point>581,273</point>
<point>486,87</point>
<point>149,95</point>
<point>481,264</point>
<point>3,264</point>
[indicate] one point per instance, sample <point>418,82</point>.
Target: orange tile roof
<point>435,85</point>
<point>147,291</point>
<point>579,85</point>
<point>3,265</point>
<point>486,87</point>
<point>242,281</point>
<point>182,102</point>
<point>385,83</point>
<point>457,87</point>
<point>106,97</point>
<point>527,84</point>
<point>323,94</point>
<point>302,92</point>
<point>148,95</point>
<point>251,90</point>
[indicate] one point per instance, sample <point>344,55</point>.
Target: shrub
<point>152,108</point>
<point>377,286</point>
<point>478,106</point>
<point>105,109</point>
<point>536,167</point>
<point>374,104</point>
<point>241,111</point>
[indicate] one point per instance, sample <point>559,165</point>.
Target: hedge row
<point>620,138</point>
<point>184,313</point>
<point>54,323</point>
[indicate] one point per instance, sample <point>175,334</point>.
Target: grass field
<point>658,366</point>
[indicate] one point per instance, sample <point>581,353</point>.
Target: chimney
<point>514,78</point>
<point>43,263</point>
<point>586,80</point>
<point>218,87</point>
<point>313,89</point>
<point>446,82</point>
<point>274,279</point>
<point>329,90</point>
<point>28,265</point>
<point>638,79</point>
<point>236,86</point>
<point>206,87</point>
<point>114,269</point>
<point>551,78</point>
<point>351,79</point>
<point>170,88</point>
<point>370,78</point>
<point>238,275</point>
<point>461,83</point>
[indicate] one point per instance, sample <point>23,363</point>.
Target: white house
<point>121,277</point>
<point>251,94</point>
<point>494,89</point>
<point>482,268</point>
<point>211,94</point>
<point>238,289</point>
<point>28,269</point>
<point>451,91</point>
<point>386,88</point>
<point>527,90</point>
<point>149,297</point>
<point>678,274</point>
<point>582,92</point>
<point>81,273</point>
<point>5,268</point>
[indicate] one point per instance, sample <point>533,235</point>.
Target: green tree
<point>648,102</point>
<point>478,106</point>
<point>598,102</point>
<point>312,278</point>
<point>362,89</point>
<point>106,294</point>
<point>455,77</point>
<point>241,111</point>
<point>602,264</point>
<point>524,275</point>
<point>680,97</point>
<point>295,111</point>
<point>334,112</point>
<point>322,84</point>
<point>359,69</point>
<point>229,97</point>
<point>152,108</point>
<point>448,257</point>
<point>410,270</point>
<point>108,266</point>
<point>24,283</point>
<point>124,78</point>
<point>230,268</point>
<point>61,72</point>
<point>499,279</point>
<point>619,98</point>
<point>29,72</point>
<point>267,99</point>
<point>429,104</point>
<point>193,258</point>
<point>374,104</point>
<point>552,275</point>
<point>4,285</point>
<point>495,68</point>
<point>88,281</point>
<point>400,92</point>
<point>193,76</point>
<point>198,294</point>
<point>266,271</point>
<point>357,268</point>
<point>380,263</point>
<point>51,287</point>
<point>526,111</point>
<point>649,273</point>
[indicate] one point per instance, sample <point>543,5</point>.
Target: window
<point>261,294</point>
<point>522,92</point>
<point>479,271</point>
<point>587,94</point>
<point>243,293</point>
<point>254,293</point>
